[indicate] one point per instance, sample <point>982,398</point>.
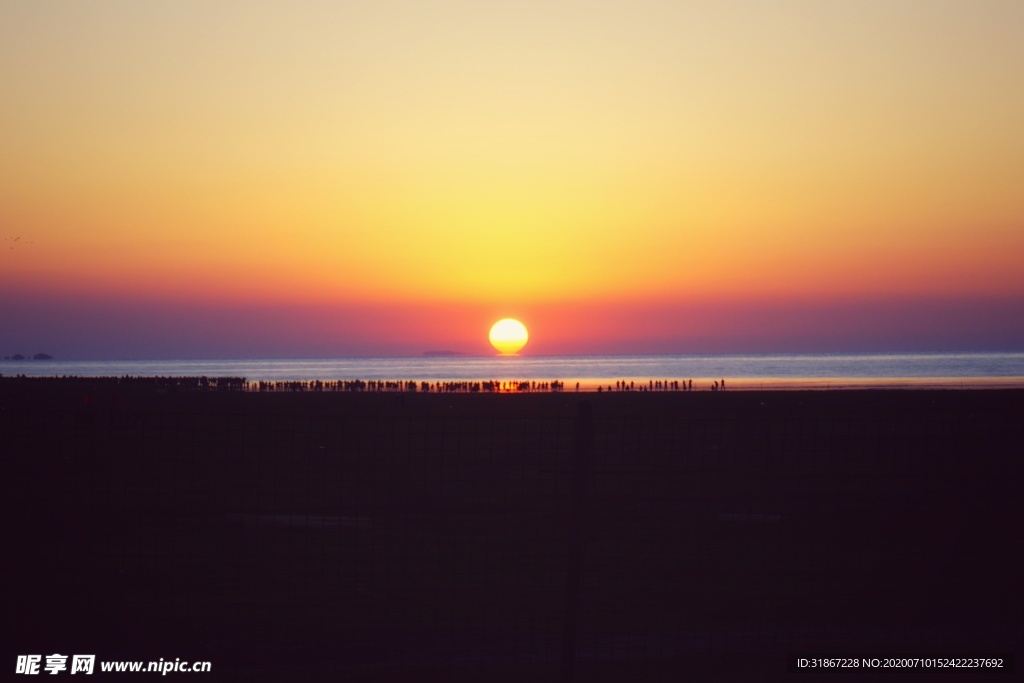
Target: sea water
<point>738,371</point>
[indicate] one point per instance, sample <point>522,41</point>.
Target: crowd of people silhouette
<point>438,387</point>
<point>203,383</point>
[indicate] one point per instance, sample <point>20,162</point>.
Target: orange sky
<point>354,178</point>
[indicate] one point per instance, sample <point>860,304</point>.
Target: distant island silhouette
<point>38,356</point>
<point>443,354</point>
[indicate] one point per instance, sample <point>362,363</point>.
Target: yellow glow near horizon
<point>508,336</point>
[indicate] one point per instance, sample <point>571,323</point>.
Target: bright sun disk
<point>508,336</point>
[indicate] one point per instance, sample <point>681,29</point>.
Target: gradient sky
<point>316,178</point>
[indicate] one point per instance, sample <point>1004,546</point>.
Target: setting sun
<point>508,336</point>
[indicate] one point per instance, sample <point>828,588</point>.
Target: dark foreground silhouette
<point>463,537</point>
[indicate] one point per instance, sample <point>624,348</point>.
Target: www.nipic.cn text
<point>86,664</point>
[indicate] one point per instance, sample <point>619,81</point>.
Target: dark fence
<point>514,537</point>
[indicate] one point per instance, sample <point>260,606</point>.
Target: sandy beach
<point>397,536</point>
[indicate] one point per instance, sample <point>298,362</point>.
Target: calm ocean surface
<point>739,371</point>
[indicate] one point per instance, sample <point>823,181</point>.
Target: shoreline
<point>533,386</point>
<point>740,371</point>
